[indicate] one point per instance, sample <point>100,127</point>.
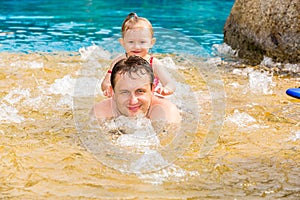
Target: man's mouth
<point>134,108</point>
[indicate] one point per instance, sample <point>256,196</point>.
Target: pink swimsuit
<point>156,80</point>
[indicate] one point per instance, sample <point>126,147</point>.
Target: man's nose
<point>133,99</point>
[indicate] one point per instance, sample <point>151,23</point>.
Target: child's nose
<point>137,45</point>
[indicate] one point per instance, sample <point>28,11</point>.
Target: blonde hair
<point>132,19</point>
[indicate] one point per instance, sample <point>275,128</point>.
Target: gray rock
<point>258,28</point>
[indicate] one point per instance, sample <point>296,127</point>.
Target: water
<point>55,25</point>
<point>239,138</point>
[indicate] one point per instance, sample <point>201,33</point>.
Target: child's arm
<point>105,85</point>
<point>165,78</point>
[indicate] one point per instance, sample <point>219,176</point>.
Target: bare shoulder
<point>103,109</point>
<point>163,109</point>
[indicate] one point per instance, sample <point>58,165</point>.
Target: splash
<point>9,114</point>
<point>242,119</point>
<point>295,136</point>
<point>140,133</point>
<point>93,52</point>
<point>28,64</point>
<point>170,173</point>
<point>260,82</point>
<point>17,95</point>
<point>223,50</point>
<point>65,86</point>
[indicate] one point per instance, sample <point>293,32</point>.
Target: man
<point>132,84</point>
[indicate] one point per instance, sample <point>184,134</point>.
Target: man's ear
<point>121,42</point>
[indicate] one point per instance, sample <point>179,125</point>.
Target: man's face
<point>132,95</point>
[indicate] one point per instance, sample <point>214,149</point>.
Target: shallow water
<point>43,154</point>
<point>240,134</point>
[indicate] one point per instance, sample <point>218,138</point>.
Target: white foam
<point>224,50</point>
<point>64,86</point>
<point>295,136</point>
<point>9,114</point>
<point>85,86</point>
<point>34,102</point>
<point>94,52</point>
<point>214,61</point>
<point>36,65</point>
<point>260,82</point>
<point>140,139</point>
<point>150,160</point>
<point>241,119</point>
<point>27,64</point>
<point>171,172</point>
<point>268,62</point>
<point>65,100</point>
<point>15,96</point>
<point>140,133</point>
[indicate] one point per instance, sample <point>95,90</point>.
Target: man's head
<point>132,82</point>
<point>133,65</point>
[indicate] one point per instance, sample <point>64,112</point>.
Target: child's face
<point>137,41</point>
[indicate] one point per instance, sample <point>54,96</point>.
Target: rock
<point>258,28</point>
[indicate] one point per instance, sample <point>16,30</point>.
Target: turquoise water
<point>55,25</point>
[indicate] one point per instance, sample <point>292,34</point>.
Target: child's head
<point>137,35</point>
<point>132,21</point>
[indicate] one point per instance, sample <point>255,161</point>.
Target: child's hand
<point>164,91</point>
<point>108,92</point>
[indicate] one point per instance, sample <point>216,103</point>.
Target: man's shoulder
<point>103,109</point>
<point>163,109</point>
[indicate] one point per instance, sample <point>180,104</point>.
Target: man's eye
<point>124,92</point>
<point>140,91</point>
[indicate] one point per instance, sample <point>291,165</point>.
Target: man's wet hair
<point>132,65</point>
